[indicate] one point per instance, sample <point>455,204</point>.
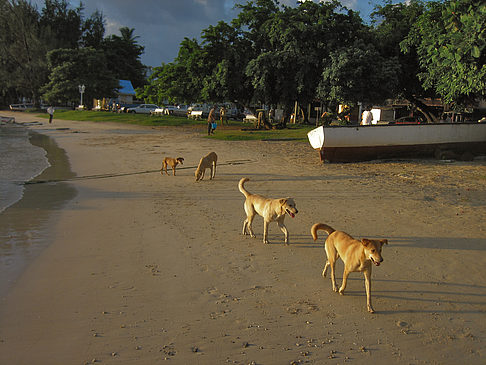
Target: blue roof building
<point>126,88</point>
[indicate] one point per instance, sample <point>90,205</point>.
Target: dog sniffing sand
<point>207,162</point>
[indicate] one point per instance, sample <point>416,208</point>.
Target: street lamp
<point>81,91</point>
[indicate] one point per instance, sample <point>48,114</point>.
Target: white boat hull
<point>360,143</point>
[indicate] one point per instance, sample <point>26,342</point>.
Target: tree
<point>393,23</point>
<point>225,53</point>
<point>27,35</point>
<point>123,56</point>
<point>298,47</point>
<point>450,40</point>
<point>93,31</point>
<point>63,24</point>
<point>72,67</point>
<point>357,73</point>
<point>22,50</point>
<point>177,82</point>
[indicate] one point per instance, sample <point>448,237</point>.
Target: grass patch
<point>294,132</point>
<point>127,118</point>
<point>233,132</point>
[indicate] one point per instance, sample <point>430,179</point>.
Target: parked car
<point>143,109</point>
<point>180,110</point>
<point>21,107</point>
<point>124,107</point>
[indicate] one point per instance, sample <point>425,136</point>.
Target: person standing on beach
<point>211,119</point>
<point>50,111</point>
<point>222,115</point>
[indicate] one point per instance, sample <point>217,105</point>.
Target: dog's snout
<point>296,211</point>
<point>381,259</point>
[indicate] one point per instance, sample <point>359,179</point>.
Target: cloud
<point>161,24</point>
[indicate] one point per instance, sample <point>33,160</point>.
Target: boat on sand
<point>383,141</point>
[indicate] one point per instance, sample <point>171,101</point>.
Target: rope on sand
<point>105,176</point>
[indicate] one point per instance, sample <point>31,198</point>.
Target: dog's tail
<point>320,226</point>
<point>242,187</point>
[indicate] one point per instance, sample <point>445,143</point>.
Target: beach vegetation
<point>128,118</point>
<point>270,56</point>
<point>235,131</point>
<point>79,66</point>
<point>324,53</point>
<point>32,42</point>
<point>392,23</point>
<point>450,42</point>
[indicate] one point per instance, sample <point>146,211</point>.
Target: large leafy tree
<point>224,56</point>
<point>180,81</point>
<point>357,73</point>
<point>72,67</point>
<point>62,23</point>
<point>93,31</point>
<point>304,52</point>
<point>23,46</point>
<point>392,24</point>
<point>214,70</point>
<point>123,56</point>
<point>27,35</point>
<point>450,40</point>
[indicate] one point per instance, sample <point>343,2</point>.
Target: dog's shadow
<point>442,243</point>
<point>414,296</point>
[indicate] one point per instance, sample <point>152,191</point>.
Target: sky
<point>161,25</point>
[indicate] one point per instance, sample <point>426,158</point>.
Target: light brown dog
<point>270,209</point>
<point>172,162</point>
<point>356,255</point>
<point>207,162</point>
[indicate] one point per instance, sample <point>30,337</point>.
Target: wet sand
<point>25,226</point>
<point>145,269</point>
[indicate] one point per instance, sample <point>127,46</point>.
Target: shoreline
<point>24,224</point>
<point>149,268</point>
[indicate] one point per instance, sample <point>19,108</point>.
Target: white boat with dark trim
<point>364,143</point>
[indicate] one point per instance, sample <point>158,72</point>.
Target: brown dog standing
<point>172,162</point>
<point>356,255</point>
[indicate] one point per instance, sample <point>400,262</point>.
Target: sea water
<point>20,161</point>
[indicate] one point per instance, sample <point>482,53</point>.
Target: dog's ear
<point>283,201</point>
<point>365,242</point>
<point>384,242</point>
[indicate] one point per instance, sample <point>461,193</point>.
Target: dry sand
<point>150,269</point>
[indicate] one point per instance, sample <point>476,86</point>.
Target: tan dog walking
<point>270,209</point>
<point>356,255</point>
<point>172,162</point>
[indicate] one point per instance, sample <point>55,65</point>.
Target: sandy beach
<point>141,268</point>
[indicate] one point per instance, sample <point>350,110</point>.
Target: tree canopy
<point>450,41</point>
<point>31,42</point>
<point>74,67</point>
<point>272,54</point>
<point>324,52</point>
